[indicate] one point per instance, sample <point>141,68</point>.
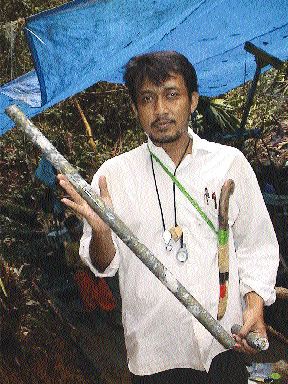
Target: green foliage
<point>215,117</point>
<point>15,9</point>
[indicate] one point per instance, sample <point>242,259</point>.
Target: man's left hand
<point>253,318</point>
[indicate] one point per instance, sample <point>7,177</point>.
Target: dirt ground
<point>36,346</point>
<point>39,345</point>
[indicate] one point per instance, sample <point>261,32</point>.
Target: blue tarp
<point>86,41</point>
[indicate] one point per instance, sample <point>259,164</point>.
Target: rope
<point>10,31</point>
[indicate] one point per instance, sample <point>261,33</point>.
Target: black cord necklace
<point>166,233</point>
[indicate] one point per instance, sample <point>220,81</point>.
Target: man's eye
<point>171,95</point>
<point>146,99</point>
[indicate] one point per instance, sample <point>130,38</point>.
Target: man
<point>165,343</point>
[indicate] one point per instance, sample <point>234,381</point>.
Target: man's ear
<point>134,108</point>
<point>194,101</point>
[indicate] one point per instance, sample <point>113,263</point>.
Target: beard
<point>165,139</point>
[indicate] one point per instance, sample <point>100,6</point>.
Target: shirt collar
<point>198,146</point>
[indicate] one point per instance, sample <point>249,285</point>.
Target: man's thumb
<point>245,329</point>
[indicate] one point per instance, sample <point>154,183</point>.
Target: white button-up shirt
<point>160,333</point>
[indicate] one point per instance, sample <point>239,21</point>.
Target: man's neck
<point>176,149</point>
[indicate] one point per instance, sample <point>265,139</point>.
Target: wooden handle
<point>226,192</point>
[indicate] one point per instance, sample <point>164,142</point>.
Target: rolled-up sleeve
<point>87,235</point>
<point>256,244</point>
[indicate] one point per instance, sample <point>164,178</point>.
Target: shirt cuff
<point>112,268</point>
<point>110,271</point>
<point>268,297</point>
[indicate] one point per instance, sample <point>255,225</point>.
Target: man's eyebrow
<point>145,92</point>
<point>166,88</point>
<point>170,87</point>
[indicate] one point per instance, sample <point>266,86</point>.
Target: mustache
<point>162,120</point>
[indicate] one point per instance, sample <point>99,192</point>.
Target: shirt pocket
<point>207,195</point>
<point>201,219</point>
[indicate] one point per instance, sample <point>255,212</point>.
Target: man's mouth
<point>162,124</point>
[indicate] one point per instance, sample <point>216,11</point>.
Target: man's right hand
<point>101,248</point>
<point>81,207</point>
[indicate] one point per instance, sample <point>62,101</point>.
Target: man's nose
<point>160,106</point>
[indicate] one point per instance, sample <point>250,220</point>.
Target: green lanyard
<point>185,193</point>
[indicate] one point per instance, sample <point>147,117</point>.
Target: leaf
<point>3,288</point>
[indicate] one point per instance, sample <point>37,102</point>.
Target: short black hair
<point>157,67</point>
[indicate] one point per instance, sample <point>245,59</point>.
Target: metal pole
<point>263,59</point>
<point>117,225</point>
<point>250,97</point>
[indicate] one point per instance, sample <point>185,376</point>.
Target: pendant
<point>182,254</point>
<point>167,237</point>
<point>176,233</point>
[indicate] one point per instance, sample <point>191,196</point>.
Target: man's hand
<point>101,248</point>
<point>80,206</point>
<point>253,322</point>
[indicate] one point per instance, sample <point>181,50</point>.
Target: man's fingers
<point>70,190</point>
<point>77,203</point>
<point>258,328</point>
<point>61,177</point>
<point>79,209</point>
<point>242,346</point>
<point>248,349</point>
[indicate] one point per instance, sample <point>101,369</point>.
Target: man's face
<point>164,110</point>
